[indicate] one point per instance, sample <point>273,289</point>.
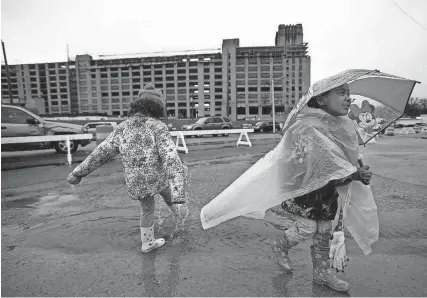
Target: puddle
<point>20,203</point>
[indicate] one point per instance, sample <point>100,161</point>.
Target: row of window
<point>267,89</point>
<point>14,73</point>
<point>147,66</point>
<point>266,68</point>
<point>266,96</point>
<point>266,61</point>
<point>155,78</point>
<point>126,73</point>
<point>63,103</point>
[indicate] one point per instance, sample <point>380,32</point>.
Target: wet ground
<point>59,240</point>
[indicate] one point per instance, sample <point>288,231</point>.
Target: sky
<point>341,34</point>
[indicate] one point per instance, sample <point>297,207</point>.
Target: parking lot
<point>59,240</point>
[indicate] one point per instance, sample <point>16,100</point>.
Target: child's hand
<point>74,180</point>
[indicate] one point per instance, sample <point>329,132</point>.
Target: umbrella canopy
<point>389,90</point>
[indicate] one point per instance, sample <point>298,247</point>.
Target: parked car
<point>389,131</point>
<point>419,126</point>
<point>377,131</point>
<point>19,122</point>
<point>266,126</point>
<point>91,127</point>
<point>210,123</point>
<point>247,126</point>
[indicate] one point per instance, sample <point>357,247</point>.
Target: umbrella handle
<point>361,165</point>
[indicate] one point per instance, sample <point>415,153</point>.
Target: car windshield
<point>201,121</point>
<point>259,123</point>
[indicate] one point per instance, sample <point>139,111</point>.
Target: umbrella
<point>389,90</point>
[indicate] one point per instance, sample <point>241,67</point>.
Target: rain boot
<point>281,249</point>
<point>148,241</point>
<point>322,273</point>
<point>300,231</point>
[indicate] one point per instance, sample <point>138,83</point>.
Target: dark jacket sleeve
<point>103,153</point>
<point>343,181</point>
<point>171,163</point>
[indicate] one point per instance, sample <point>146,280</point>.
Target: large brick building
<point>233,81</point>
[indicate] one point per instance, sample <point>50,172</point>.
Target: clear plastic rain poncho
<point>315,149</point>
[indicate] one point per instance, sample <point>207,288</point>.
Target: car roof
<point>12,106</point>
<point>22,109</point>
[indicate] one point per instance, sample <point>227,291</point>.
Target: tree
<point>416,106</point>
<point>386,113</point>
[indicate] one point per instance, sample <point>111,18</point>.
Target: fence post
<point>68,150</point>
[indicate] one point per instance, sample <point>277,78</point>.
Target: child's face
<point>337,101</point>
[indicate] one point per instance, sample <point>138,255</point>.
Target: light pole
<point>273,108</point>
<point>191,106</point>
<point>272,99</point>
<point>193,90</point>
<point>9,85</point>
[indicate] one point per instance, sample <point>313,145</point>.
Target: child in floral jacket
<point>150,161</point>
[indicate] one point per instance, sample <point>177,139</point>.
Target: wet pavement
<point>48,157</point>
<point>59,240</point>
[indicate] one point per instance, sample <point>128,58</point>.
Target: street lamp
<point>272,99</point>
<point>193,90</point>
<point>191,106</point>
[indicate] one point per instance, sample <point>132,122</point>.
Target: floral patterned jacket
<point>149,157</point>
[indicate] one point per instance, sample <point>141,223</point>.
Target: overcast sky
<point>342,34</point>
